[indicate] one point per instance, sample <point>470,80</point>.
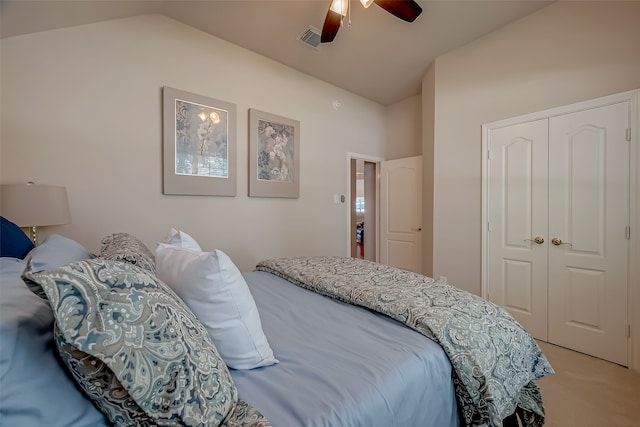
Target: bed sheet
<point>342,365</point>
<point>34,389</point>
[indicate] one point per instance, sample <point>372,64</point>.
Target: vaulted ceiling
<point>378,56</point>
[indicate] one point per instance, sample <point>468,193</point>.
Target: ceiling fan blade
<point>407,10</point>
<point>331,26</point>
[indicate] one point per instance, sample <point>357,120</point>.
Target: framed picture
<point>274,155</point>
<point>199,144</point>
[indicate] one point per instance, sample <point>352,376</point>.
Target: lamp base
<point>34,235</point>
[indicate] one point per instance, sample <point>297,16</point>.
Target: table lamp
<point>33,205</point>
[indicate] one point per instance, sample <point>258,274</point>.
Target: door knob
<point>416,229</point>
<point>539,240</point>
<point>556,241</point>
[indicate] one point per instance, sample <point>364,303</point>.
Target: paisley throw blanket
<point>495,361</point>
<point>245,415</point>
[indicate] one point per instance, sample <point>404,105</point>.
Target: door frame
<point>376,225</point>
<point>633,284</point>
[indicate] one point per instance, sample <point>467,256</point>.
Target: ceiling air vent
<point>311,37</point>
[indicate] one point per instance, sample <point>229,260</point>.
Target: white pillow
<point>181,239</point>
<point>213,287</point>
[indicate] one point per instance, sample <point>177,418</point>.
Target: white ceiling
<point>378,57</point>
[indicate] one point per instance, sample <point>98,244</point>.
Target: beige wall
<point>81,107</point>
<point>564,53</point>
<point>404,128</point>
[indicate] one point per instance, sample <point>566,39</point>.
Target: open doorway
<point>363,212</point>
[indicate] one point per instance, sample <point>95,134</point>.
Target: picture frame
<point>199,144</point>
<point>274,155</point>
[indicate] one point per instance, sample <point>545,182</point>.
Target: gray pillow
<point>133,346</point>
<point>127,248</point>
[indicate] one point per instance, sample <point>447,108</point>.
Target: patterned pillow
<point>127,248</point>
<point>133,346</point>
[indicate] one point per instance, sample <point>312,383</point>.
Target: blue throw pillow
<point>57,251</point>
<point>13,242</point>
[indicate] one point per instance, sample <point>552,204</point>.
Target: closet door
<point>518,206</point>
<point>588,216</point>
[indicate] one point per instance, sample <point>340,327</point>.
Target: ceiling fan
<point>407,10</point>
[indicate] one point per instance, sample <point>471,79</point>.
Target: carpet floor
<point>586,391</point>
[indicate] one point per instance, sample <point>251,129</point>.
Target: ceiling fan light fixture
<point>340,6</point>
<point>366,3</point>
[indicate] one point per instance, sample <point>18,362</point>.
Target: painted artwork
<point>274,155</point>
<point>201,140</point>
<point>199,146</point>
<point>275,152</point>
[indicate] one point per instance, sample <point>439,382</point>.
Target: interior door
<point>401,213</point>
<point>589,215</point>
<point>518,206</point>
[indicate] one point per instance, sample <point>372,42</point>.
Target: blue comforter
<point>495,361</point>
<point>342,365</point>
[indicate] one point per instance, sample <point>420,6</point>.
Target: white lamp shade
<point>33,205</point>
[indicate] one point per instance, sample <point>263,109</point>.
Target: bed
<point>327,354</point>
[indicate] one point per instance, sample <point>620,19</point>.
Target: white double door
<point>558,217</point>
